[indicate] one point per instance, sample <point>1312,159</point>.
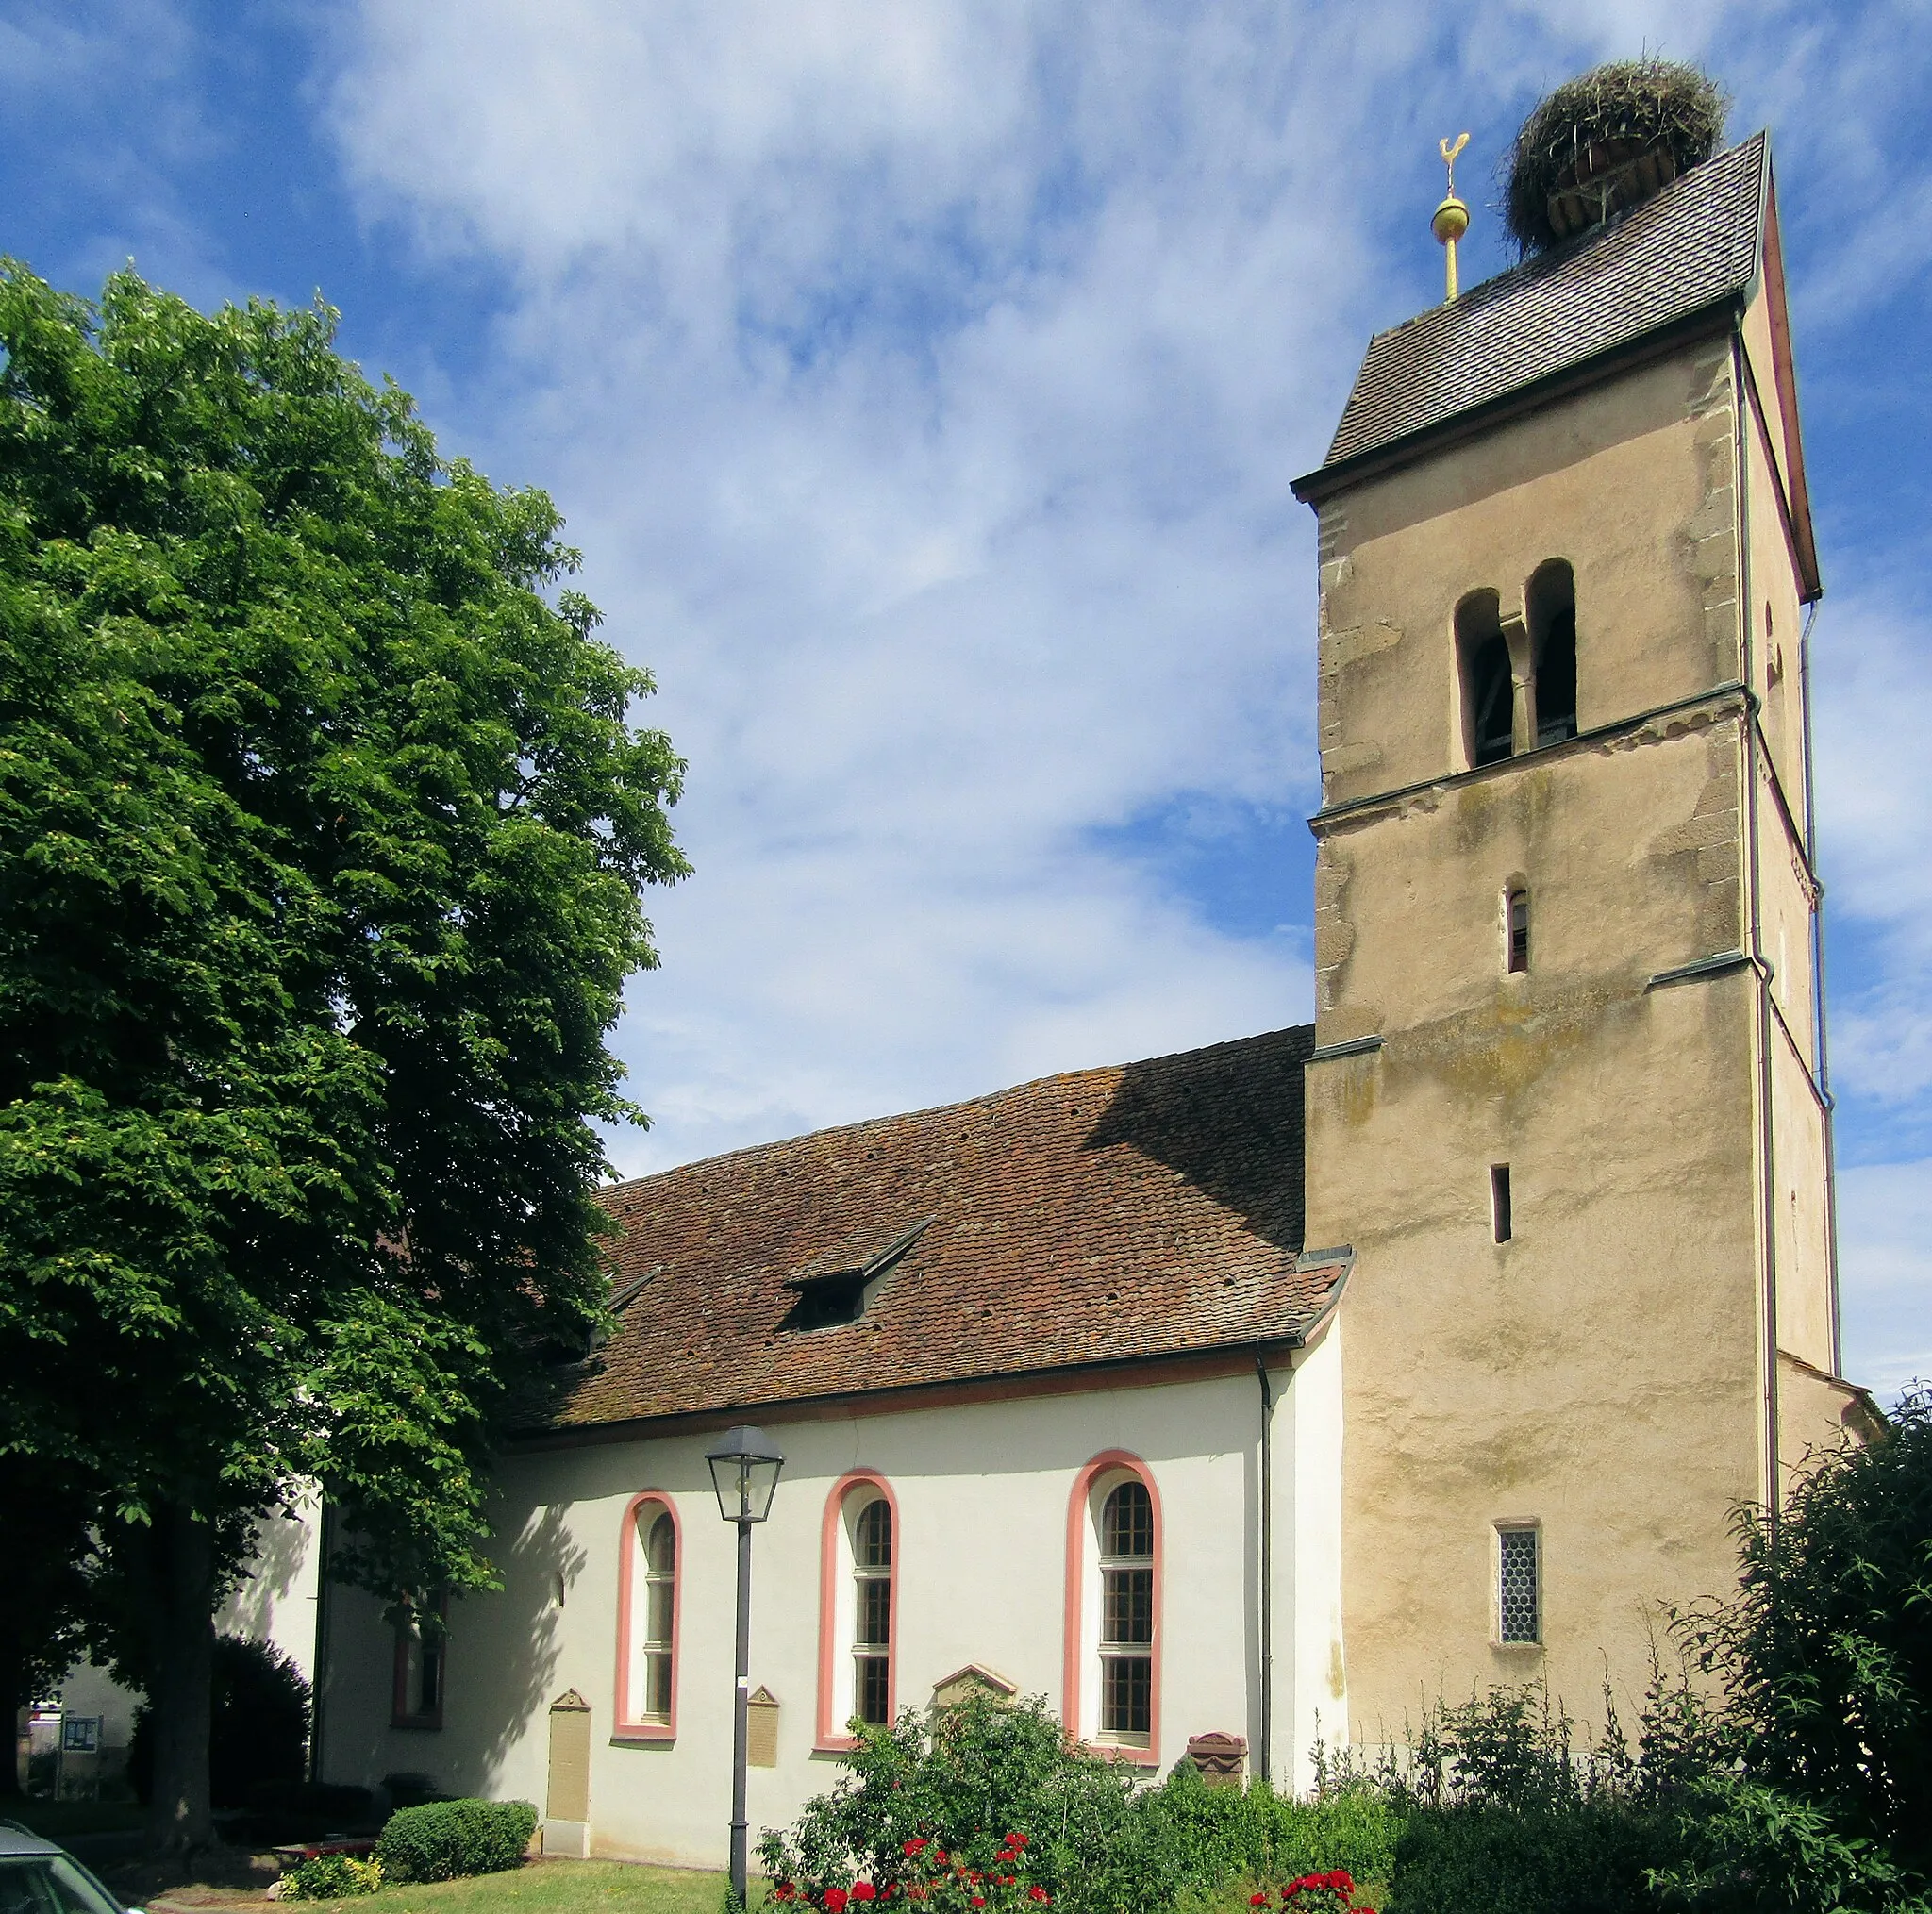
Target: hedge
<point>444,1839</point>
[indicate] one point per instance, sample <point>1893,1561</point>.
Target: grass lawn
<point>557,1888</point>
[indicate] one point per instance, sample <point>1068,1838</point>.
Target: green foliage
<point>1098,1842</point>
<point>443,1840</point>
<point>1613,114</point>
<point>1826,1652</point>
<point>332,1877</point>
<point>323,828</point>
<point>258,1729</point>
<point>1583,1857</point>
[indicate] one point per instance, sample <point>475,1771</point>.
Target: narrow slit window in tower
<point>1499,1201</point>
<point>1516,906</point>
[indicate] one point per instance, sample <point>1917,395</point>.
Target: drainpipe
<point>325,1537</point>
<point>1820,1048</point>
<point>1266,1630</point>
<point>1753,872</point>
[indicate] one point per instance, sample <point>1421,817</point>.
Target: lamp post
<point>744,1471</point>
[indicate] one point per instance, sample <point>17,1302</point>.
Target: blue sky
<point>923,380</point>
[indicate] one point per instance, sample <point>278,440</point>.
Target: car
<point>39,1877</point>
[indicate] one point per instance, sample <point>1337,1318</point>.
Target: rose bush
<point>925,1874</point>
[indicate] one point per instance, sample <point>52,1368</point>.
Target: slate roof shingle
<point>1141,1210</point>
<point>1693,245</point>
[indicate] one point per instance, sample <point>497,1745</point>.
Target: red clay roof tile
<point>1147,1210</point>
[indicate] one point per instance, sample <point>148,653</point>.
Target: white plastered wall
<point>982,1492</point>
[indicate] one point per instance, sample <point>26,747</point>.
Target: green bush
<point>1098,1842</point>
<point>258,1731</point>
<point>444,1839</point>
<point>1581,1857</point>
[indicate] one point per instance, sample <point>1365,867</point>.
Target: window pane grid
<point>874,1705</point>
<point>658,1534</point>
<point>1517,1604</point>
<point>1126,1613</point>
<point>871,1559</point>
<point>1127,1694</point>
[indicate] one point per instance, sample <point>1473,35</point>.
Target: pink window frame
<point>831,1736</point>
<point>1074,1670</point>
<point>626,1729</point>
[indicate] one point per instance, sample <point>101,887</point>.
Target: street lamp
<point>744,1471</point>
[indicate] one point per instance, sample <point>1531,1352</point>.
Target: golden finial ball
<point>1451,220</point>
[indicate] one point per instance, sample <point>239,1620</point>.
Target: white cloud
<point>1885,1256</point>
<point>1873,672</point>
<point>923,384</point>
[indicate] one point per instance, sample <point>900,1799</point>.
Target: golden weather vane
<point>1451,219</point>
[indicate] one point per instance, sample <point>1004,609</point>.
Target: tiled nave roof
<point>1142,1210</point>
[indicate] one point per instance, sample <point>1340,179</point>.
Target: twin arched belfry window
<point>1518,678</point>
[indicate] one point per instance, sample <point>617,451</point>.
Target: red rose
<point>864,1891</point>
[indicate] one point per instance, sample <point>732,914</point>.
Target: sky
<point>922,381</point>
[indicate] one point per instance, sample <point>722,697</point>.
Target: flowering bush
<point>923,1873</point>
<point>1328,1893</point>
<point>331,1878</point>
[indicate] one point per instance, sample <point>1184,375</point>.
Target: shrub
<point>444,1839</point>
<point>332,1877</point>
<point>1099,1842</point>
<point>1579,1858</point>
<point>258,1732</point>
<point>307,1810</point>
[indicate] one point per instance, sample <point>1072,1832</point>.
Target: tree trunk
<point>181,1587</point>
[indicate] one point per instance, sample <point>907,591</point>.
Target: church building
<point>1258,1395</point>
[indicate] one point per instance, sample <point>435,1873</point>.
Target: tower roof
<point>1694,248</point>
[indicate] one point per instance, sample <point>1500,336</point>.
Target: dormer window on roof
<point>833,1287</point>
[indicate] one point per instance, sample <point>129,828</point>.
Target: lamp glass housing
<point>744,1465</point>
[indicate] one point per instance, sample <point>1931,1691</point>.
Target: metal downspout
<point>1821,1049</point>
<point>1767,1156</point>
<point>1265,1633</point>
<point>325,1537</point>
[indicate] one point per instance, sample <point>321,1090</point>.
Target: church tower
<point>1567,1102</point>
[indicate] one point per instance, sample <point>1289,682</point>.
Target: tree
<point>1824,1768</point>
<point>322,829</point>
<point>46,1517</point>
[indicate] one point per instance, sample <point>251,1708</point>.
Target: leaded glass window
<point>1517,1590</point>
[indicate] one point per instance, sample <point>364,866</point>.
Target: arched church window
<point>1113,1607</point>
<point>1552,609</point>
<point>871,1644</point>
<point>858,1607</point>
<point>1127,1613</point>
<point>1488,692</point>
<point>647,1597</point>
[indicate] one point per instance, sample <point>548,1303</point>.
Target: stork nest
<point>1607,140</point>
